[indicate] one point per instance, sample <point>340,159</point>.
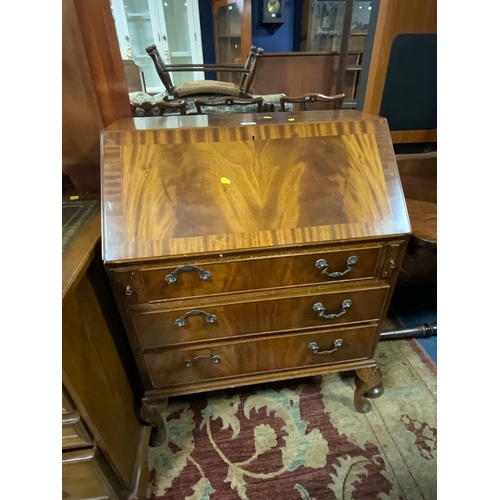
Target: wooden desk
<point>104,445</point>
<point>243,249</point>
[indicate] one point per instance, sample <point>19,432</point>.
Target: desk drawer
<point>67,404</point>
<point>266,272</point>
<point>314,310</point>
<point>86,475</point>
<point>280,352</point>
<point>74,432</point>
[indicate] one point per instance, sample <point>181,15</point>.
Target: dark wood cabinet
<point>232,25</point>
<point>104,444</point>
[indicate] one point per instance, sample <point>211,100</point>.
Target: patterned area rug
<point>304,440</point>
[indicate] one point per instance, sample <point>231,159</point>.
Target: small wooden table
<point>104,445</point>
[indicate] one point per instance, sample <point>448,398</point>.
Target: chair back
<point>248,74</point>
<point>133,76</point>
<point>307,99</point>
<point>235,105</point>
<point>161,68</point>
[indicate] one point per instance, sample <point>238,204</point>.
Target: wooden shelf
<point>232,34</point>
<point>138,15</point>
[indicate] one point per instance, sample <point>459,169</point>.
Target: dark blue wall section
<point>297,18</point>
<point>207,35</point>
<point>282,39</point>
<point>286,38</point>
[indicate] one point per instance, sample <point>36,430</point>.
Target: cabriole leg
<point>368,384</point>
<point>151,414</point>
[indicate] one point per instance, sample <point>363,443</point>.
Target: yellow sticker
<point>74,198</point>
<point>291,119</point>
<point>225,180</point>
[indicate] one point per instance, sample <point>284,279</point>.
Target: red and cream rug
<point>304,440</point>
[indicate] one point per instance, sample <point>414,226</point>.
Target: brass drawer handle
<point>321,309</point>
<point>209,318</point>
<point>215,359</point>
<point>314,347</point>
<point>323,264</point>
<point>172,277</point>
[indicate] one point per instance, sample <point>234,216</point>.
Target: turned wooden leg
<point>151,414</point>
<point>367,380</point>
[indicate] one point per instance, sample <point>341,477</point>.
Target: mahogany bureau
<point>250,248</point>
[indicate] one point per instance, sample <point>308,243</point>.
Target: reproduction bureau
<point>250,248</point>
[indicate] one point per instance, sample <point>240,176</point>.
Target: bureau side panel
<point>96,380</point>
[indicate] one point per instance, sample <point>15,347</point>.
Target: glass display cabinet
<point>323,26</point>
<point>326,19</point>
<point>172,25</point>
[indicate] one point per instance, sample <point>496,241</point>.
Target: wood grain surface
<point>102,394</point>
<point>260,272</point>
<point>259,317</point>
<point>271,354</point>
<point>86,475</point>
<point>81,118</point>
<point>77,257</point>
<point>418,16</point>
<point>74,432</point>
<point>195,189</point>
<point>424,219</point>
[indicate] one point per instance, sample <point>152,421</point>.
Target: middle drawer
<point>313,310</point>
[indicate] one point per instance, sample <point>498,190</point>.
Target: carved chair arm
<point>337,99</point>
<point>228,101</point>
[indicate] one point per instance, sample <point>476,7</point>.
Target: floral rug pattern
<point>302,439</point>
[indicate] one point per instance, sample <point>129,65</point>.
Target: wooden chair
<point>133,76</point>
<point>418,174</point>
<point>163,107</point>
<point>307,99</point>
<point>207,86</point>
<point>236,105</point>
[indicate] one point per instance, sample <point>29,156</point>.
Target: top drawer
<point>213,278</point>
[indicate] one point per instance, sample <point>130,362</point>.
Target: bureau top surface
<point>185,185</point>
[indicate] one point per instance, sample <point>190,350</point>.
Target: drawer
<point>74,432</point>
<point>279,352</point>
<point>229,276</point>
<point>86,475</point>
<point>313,310</point>
<point>67,404</point>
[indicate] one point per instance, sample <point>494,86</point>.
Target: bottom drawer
<point>278,352</point>
<point>86,475</point>
<point>74,432</point>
